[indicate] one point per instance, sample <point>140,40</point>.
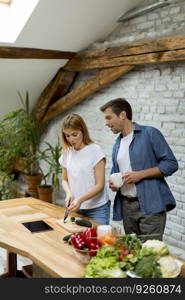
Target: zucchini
<point>66,238</point>
<point>83,222</point>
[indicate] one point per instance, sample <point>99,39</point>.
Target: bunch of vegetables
<point>142,259</point>
<point>128,254</point>
<point>114,257</point>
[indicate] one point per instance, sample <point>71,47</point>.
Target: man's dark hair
<point>118,105</point>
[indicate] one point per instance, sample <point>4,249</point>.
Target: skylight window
<point>13,17</point>
<point>8,2</point>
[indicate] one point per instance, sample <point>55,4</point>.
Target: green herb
<point>130,241</point>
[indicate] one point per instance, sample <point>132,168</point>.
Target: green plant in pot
<point>8,187</point>
<point>10,140</point>
<point>22,140</point>
<point>31,134</point>
<point>9,152</point>
<point>31,156</point>
<point>51,155</point>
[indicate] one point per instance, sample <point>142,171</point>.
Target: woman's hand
<point>75,205</point>
<point>68,200</point>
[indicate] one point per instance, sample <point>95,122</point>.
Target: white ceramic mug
<point>116,179</point>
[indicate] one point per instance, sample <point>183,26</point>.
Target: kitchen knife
<point>66,213</point>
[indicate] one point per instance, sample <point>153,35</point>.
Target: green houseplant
<point>31,156</point>
<point>19,142</point>
<point>8,187</point>
<point>50,155</point>
<point>31,136</point>
<point>8,154</point>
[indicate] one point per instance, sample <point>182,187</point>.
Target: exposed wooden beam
<point>156,51</point>
<point>151,58</point>
<point>84,90</point>
<point>56,89</point>
<point>16,52</point>
<point>117,61</point>
<point>170,43</point>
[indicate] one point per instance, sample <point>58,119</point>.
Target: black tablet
<point>37,226</point>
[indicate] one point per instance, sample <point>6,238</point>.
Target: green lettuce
<point>105,264</point>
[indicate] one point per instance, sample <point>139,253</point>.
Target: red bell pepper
<point>93,250</point>
<point>90,236</point>
<point>78,241</point>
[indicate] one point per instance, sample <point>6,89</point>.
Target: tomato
<point>125,252</point>
<point>120,257</point>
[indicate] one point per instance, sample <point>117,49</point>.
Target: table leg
<point>12,264</point>
<point>11,268</point>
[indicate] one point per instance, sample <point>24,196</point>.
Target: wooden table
<point>46,249</point>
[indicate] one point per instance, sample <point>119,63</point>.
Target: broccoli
<point>148,267</point>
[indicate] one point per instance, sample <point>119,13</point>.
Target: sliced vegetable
<point>72,219</point>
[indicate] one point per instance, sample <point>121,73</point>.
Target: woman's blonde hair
<point>75,122</point>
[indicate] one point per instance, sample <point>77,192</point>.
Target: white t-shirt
<point>80,171</point>
<point>123,160</point>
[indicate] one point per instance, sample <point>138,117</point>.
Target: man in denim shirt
<point>144,158</point>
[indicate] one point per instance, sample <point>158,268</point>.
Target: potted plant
<point>8,187</point>
<point>21,140</point>
<point>50,155</point>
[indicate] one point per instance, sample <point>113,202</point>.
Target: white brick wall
<point>157,95</point>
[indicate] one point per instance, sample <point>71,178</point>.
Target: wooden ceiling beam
<point>84,90</point>
<point>156,51</point>
<point>114,62</point>
<point>106,62</point>
<point>34,53</point>
<point>170,43</point>
<point>56,89</point>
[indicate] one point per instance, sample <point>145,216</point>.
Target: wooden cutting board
<point>70,227</point>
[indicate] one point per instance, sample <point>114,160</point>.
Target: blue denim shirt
<point>148,149</point>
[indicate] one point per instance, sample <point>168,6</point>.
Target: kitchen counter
<point>46,249</point>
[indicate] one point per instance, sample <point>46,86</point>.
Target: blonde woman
<point>83,176</point>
